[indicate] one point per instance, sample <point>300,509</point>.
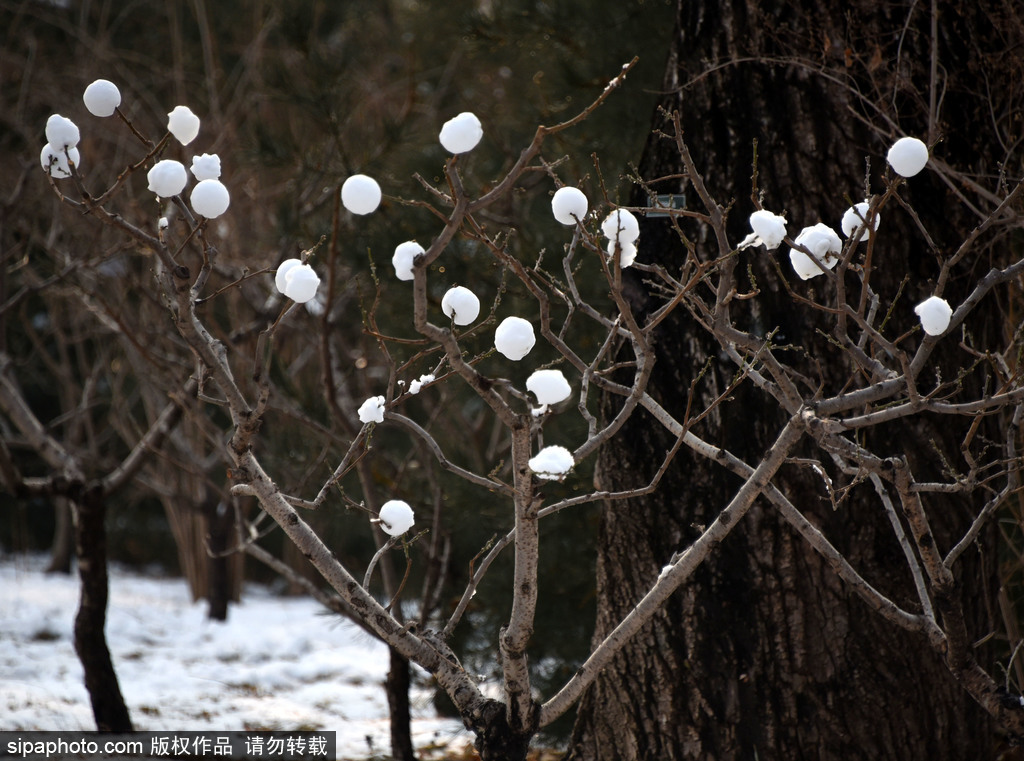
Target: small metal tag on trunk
<point>661,204</point>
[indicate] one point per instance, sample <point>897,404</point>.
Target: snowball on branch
<point>102,98</point>
<point>461,305</point>
<point>569,205</point>
<point>210,198</point>
<point>824,245</point>
<point>907,156</point>
<point>622,230</point>
<point>183,124</point>
<point>622,226</point>
<point>395,517</point>
<point>206,167</point>
<point>549,386</point>
<point>360,194</point>
<point>853,222</point>
<point>55,162</point>
<point>627,252</point>
<point>934,313</point>
<point>514,338</point>
<point>402,260</point>
<point>552,463</point>
<point>768,229</point>
<point>167,178</point>
<point>282,272</point>
<point>296,280</point>
<point>372,410</point>
<point>301,284</point>
<point>61,133</point>
<point>461,133</point>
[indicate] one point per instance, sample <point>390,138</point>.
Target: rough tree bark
<point>765,655</point>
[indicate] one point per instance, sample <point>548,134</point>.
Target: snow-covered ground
<point>278,663</point>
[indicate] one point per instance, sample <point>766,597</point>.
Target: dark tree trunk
<point>398,681</point>
<point>495,740</point>
<point>764,654</point>
<point>220,537</point>
<point>108,705</point>
<point>63,547</point>
<point>398,684</point>
<point>397,687</point>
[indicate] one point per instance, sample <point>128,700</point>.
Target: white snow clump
<point>627,253</point>
<point>551,463</point>
<point>549,386</point>
<point>56,162</point>
<point>461,133</point>
<point>183,124</point>
<point>823,243</point>
<point>622,226</point>
<point>102,98</point>
<point>300,282</point>
<point>417,385</point>
<point>372,410</point>
<point>514,338</point>
<point>206,167</point>
<point>210,198</point>
<point>403,258</point>
<point>569,205</point>
<point>167,178</point>
<point>61,132</point>
<point>768,229</point>
<point>853,222</point>
<point>395,517</point>
<point>907,156</point>
<point>282,272</point>
<point>360,194</point>
<point>934,313</point>
<point>461,305</point>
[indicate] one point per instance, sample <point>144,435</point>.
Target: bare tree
<point>823,429</point>
<point>70,475</point>
<point>766,652</point>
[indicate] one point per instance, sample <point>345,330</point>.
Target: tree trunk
<point>220,537</point>
<point>764,654</point>
<point>397,688</point>
<point>63,547</point>
<point>108,705</point>
<point>495,740</point>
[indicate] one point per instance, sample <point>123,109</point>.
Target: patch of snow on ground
<point>278,663</point>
